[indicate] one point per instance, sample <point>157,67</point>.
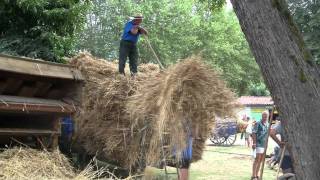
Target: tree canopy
<point>177,29</point>
<point>52,30</point>
<point>40,28</point>
<point>306,14</point>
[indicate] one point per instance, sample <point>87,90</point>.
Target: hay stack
<point>103,125</point>
<point>125,119</point>
<point>187,94</point>
<point>24,163</point>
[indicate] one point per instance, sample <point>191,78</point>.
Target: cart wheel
<point>217,140</point>
<point>230,140</point>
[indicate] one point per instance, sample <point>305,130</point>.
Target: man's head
<point>137,19</point>
<point>264,116</point>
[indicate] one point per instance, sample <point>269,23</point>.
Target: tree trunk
<point>289,73</point>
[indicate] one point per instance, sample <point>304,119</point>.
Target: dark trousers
<point>128,49</point>
<point>286,163</point>
<point>65,145</point>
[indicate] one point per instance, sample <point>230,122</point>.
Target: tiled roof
<point>255,100</point>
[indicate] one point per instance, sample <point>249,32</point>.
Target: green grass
<point>226,163</point>
<point>220,163</point>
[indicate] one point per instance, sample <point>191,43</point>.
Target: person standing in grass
<point>259,134</point>
<point>247,132</point>
<point>128,44</point>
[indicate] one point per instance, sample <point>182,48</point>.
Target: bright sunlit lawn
<point>220,163</point>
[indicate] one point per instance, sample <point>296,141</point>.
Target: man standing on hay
<point>128,44</point>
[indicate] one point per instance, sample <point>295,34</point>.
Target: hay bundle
<point>103,125</point>
<point>189,94</point>
<point>124,119</point>
<point>24,163</point>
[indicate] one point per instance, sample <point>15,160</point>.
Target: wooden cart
<point>225,133</point>
<point>34,96</point>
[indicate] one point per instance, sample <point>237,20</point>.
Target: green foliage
<point>40,28</point>
<point>173,30</point>
<point>103,28</point>
<point>258,89</point>
<point>177,29</point>
<point>306,14</point>
<point>225,47</point>
<point>213,4</point>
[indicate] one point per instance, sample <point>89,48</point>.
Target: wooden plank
<point>27,105</point>
<point>55,137</point>
<point>5,107</point>
<point>31,100</point>
<point>19,131</point>
<point>38,68</point>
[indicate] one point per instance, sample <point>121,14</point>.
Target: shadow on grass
<point>227,153</point>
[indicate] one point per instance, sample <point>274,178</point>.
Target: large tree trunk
<point>290,74</point>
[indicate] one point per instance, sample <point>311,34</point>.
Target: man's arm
<point>134,30</point>
<point>254,134</point>
<point>143,31</point>
<point>273,134</point>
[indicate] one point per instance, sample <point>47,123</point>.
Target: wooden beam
<point>55,137</point>
<point>19,131</point>
<point>27,105</point>
<point>29,108</point>
<point>38,68</point>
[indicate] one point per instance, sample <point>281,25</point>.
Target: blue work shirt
<point>67,126</point>
<point>187,153</point>
<point>127,35</point>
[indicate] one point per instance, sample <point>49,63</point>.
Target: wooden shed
<point>34,96</point>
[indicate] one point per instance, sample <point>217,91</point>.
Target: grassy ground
<point>219,163</point>
<point>226,163</point>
